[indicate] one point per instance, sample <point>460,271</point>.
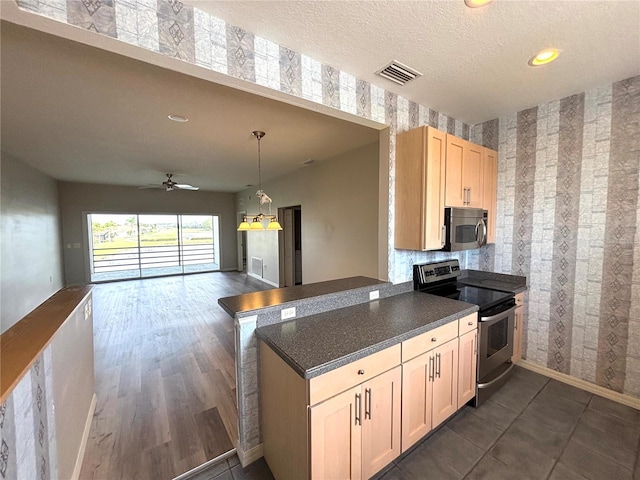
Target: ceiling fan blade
<point>150,186</point>
<point>184,186</point>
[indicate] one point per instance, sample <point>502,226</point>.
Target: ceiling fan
<point>170,185</point>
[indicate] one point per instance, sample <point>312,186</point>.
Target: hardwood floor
<point>165,375</point>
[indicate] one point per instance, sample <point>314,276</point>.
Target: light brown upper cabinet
<point>490,190</point>
<point>420,181</point>
<point>435,170</point>
<point>464,176</point>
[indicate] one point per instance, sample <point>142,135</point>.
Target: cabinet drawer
<point>520,299</point>
<point>467,324</point>
<point>429,340</point>
<point>354,373</point>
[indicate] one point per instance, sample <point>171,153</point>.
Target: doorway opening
<point>291,246</point>
<point>131,245</point>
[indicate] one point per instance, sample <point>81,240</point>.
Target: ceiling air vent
<point>399,73</point>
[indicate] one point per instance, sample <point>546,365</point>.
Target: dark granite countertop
<point>268,298</point>
<point>494,281</point>
<point>320,343</point>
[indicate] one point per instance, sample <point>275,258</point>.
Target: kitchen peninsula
<point>335,324</point>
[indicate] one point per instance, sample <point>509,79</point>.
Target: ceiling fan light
<point>244,226</point>
<point>274,225</point>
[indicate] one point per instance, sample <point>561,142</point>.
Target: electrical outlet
<point>374,295</point>
<point>288,313</point>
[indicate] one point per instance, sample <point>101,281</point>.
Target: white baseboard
<point>250,455</point>
<point>268,282</point>
<point>622,398</point>
<point>85,438</point>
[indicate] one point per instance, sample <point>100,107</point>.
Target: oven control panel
<point>434,272</point>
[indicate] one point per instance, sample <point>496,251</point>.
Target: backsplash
<point>568,213</point>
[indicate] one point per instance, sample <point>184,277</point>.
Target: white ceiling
<point>474,61</point>
<point>82,114</point>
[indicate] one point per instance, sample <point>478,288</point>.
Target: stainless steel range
<point>495,321</point>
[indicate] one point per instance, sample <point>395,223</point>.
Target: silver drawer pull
<point>360,372</point>
<point>470,324</point>
<point>434,339</point>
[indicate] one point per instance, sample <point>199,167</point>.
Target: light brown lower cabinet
<point>430,391</point>
<point>355,434</point>
<point>351,422</point>
<point>467,364</point>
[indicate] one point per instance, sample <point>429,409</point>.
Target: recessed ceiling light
<point>547,55</point>
<point>476,3</point>
<point>178,118</point>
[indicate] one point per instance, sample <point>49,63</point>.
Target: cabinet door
<point>455,190</point>
<point>445,384</point>
<point>416,399</point>
<point>433,198</point>
<point>420,176</point>
<point>517,335</point>
<point>336,436</point>
<point>381,421</point>
<point>490,188</point>
<point>472,163</point>
<point>467,360</point>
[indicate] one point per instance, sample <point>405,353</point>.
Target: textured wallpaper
<point>27,426</point>
<point>568,216</point>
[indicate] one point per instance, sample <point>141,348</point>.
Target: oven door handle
<point>498,316</point>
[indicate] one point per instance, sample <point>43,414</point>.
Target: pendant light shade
<point>256,224</point>
<point>274,225</point>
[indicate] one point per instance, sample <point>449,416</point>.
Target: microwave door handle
<point>485,233</point>
<point>481,240</point>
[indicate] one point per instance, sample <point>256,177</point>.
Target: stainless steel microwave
<point>465,228</point>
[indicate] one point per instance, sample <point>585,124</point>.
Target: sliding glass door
<point>149,245</point>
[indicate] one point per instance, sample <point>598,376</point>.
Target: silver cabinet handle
<point>470,324</point>
<point>431,371</point>
<point>438,364</point>
<point>367,403</point>
<point>360,372</point>
<point>434,339</point>
<point>464,197</point>
<point>443,236</point>
<point>468,196</point>
<point>358,409</point>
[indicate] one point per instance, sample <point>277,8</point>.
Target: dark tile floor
<point>533,428</point>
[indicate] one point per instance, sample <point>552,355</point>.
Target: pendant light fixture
<point>256,220</point>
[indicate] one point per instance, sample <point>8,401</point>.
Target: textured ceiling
<point>474,61</point>
<point>83,114</point>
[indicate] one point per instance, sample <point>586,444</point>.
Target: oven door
<point>495,345</point>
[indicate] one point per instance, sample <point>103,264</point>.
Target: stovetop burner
<point>441,279</point>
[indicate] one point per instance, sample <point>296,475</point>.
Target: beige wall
<point>30,217</point>
<point>77,199</point>
<point>339,199</point>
